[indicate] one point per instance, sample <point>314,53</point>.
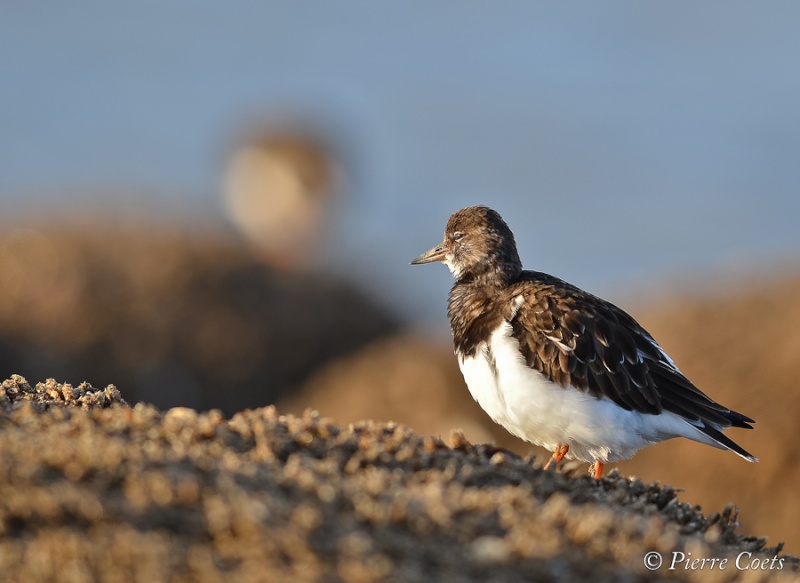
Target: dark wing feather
<point>577,339</point>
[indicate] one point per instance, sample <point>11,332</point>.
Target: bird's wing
<point>578,339</point>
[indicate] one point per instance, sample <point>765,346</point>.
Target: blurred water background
<point>622,140</point>
<point>214,204</point>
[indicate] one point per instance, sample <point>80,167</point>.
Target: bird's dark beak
<point>438,253</point>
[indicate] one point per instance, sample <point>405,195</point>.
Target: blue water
<point>623,141</point>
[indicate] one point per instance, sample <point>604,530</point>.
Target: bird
<point>558,366</point>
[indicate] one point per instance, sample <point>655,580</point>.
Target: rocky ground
<point>92,489</point>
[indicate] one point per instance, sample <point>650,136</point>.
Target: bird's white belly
<point>530,406</point>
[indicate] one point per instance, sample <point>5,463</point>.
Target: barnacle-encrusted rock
<point>16,390</point>
<point>103,491</point>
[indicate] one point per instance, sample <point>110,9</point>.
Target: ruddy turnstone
<point>560,367</point>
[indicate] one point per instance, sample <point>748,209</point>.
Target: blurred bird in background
<point>278,189</point>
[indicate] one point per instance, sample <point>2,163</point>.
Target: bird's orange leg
<point>597,470</point>
<point>558,455</point>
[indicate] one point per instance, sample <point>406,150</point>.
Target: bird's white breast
<point>530,406</point>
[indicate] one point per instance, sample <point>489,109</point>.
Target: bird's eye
<point>458,236</point>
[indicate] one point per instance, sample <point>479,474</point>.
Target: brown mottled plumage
<point>576,340</point>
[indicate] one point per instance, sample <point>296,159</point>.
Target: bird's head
<point>478,245</point>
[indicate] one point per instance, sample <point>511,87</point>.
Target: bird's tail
<point>721,441</point>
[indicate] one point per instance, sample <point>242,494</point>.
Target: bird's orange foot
<point>558,456</point>
<point>596,469</point>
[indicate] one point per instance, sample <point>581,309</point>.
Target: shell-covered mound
<point>135,494</point>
